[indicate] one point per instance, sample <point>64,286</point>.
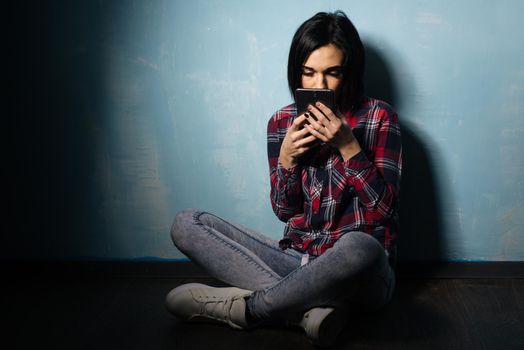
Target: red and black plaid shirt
<point>324,197</point>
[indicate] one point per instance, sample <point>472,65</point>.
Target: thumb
<point>298,122</point>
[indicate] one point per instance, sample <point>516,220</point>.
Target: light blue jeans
<point>354,273</point>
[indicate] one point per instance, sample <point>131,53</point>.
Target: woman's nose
<point>321,82</point>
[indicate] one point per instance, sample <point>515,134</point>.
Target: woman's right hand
<point>296,142</point>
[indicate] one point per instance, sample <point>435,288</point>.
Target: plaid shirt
<point>324,197</point>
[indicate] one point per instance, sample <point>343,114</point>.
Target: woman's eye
<point>307,73</point>
<point>335,73</point>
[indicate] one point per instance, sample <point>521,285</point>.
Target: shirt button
<point>351,189</point>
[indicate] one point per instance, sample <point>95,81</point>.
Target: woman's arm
<point>376,182</point>
<point>286,142</point>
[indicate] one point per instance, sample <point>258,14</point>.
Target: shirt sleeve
<point>375,175</point>
<point>286,184</point>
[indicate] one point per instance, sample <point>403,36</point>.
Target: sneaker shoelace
<point>216,307</point>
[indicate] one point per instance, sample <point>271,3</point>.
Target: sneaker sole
<point>329,324</point>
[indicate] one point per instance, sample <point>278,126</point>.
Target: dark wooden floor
<point>127,312</point>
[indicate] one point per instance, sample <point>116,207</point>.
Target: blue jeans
<point>354,273</point>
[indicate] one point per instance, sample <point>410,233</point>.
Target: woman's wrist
<point>286,161</point>
<point>350,149</point>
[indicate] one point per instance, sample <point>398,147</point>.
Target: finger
<point>335,118</point>
<point>328,112</point>
<point>299,134</point>
<point>305,141</point>
<point>318,127</point>
<point>317,134</point>
<point>302,150</point>
<point>297,123</point>
<point>314,121</point>
<point>332,123</point>
<point>315,114</point>
<point>322,125</point>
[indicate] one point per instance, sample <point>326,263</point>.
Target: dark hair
<point>324,29</point>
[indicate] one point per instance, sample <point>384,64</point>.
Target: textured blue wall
<point>140,109</point>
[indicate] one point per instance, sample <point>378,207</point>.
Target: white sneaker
<point>199,302</point>
<point>324,324</point>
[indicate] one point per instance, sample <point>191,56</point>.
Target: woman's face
<point>323,68</point>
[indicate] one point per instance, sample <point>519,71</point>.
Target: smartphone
<point>305,97</point>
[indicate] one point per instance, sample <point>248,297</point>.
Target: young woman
<point>335,178</point>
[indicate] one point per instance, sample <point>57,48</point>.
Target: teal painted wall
<point>130,111</point>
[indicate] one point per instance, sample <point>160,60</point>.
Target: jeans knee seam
<point>196,215</point>
<point>265,244</point>
<point>246,233</point>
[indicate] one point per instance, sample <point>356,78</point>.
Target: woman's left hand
<point>332,128</point>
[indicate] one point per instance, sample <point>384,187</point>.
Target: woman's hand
<point>296,142</point>
<point>331,128</point>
